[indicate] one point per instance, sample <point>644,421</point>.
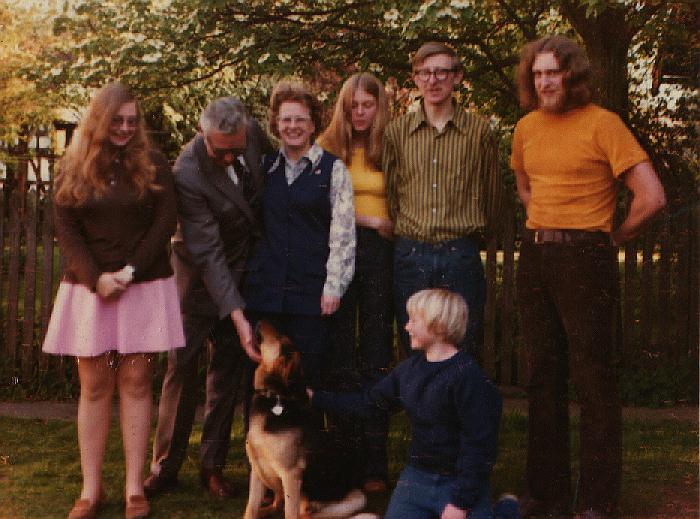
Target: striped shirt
<point>442,185</point>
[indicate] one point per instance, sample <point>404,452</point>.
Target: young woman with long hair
<point>117,303</point>
<point>355,135</point>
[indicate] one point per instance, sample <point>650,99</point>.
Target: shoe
<point>374,486</point>
<point>157,484</point>
<point>137,507</point>
<point>85,509</point>
<point>218,486</point>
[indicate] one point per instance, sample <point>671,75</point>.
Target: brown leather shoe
<point>136,507</point>
<point>156,484</point>
<point>218,486</point>
<point>85,509</point>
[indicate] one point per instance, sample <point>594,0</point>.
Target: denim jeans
<point>366,312</point>
<point>424,495</point>
<point>567,296</point>
<point>455,265</point>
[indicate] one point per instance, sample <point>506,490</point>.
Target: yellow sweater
<point>369,187</point>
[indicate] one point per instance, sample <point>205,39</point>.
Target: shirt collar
<point>313,155</point>
<point>458,119</point>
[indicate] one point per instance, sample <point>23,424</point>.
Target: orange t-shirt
<point>572,161</point>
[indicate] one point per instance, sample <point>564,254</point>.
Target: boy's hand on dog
<point>452,512</point>
<point>246,335</point>
<point>329,304</point>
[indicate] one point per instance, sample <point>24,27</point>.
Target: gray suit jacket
<point>218,224</point>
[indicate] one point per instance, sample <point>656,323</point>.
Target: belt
<point>565,236</point>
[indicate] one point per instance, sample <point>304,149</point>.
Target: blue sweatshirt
<point>454,412</point>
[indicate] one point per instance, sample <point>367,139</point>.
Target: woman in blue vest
<point>306,259</point>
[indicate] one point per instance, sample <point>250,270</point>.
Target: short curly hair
<point>295,92</point>
<point>572,60</point>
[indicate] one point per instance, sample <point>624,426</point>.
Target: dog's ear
<point>291,368</point>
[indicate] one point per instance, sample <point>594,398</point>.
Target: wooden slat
<point>646,304</point>
<point>489,354</point>
<point>27,357</point>
<point>507,304</point>
<point>47,244</point>
<point>694,314</point>
<point>663,321</point>
<point>3,262</point>
<point>14,239</point>
<point>682,275</point>
<point>629,301</point>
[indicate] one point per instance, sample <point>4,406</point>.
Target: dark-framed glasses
<point>220,153</point>
<point>440,74</point>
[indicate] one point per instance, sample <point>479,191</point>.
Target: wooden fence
<point>658,283</point>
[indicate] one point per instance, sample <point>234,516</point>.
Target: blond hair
<point>445,312</point>
<point>82,172</point>
<point>337,138</point>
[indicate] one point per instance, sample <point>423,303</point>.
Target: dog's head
<point>281,361</point>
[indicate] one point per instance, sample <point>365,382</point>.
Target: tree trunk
<point>607,37</point>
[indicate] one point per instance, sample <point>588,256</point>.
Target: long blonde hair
<point>337,138</point>
<point>82,172</point>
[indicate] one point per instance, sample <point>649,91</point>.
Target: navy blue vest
<point>287,272</point>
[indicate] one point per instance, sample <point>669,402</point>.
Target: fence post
<point>507,300</point>
<point>13,277</point>
<point>490,309</point>
<point>47,243</point>
<point>27,345</point>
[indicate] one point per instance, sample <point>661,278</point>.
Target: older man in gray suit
<point>219,186</point>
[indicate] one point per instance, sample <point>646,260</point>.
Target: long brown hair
<point>82,172</point>
<point>572,60</point>
<point>337,138</point>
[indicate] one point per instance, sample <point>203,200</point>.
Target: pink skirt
<point>144,319</point>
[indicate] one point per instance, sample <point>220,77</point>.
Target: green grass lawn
<point>40,470</point>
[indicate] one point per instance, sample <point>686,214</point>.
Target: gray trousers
<point>228,366</point>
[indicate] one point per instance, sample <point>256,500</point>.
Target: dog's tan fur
<point>278,459</point>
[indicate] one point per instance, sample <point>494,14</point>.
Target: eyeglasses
<point>439,73</point>
<point>220,153</point>
<point>118,121</point>
<point>287,121</point>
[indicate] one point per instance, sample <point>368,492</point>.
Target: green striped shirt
<point>442,185</point>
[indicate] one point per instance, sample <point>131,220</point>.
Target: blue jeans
<point>455,265</point>
<point>424,495</point>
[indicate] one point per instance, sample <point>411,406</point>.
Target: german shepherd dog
<point>311,476</point>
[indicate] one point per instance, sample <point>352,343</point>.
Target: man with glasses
<point>219,185</point>
<point>444,189</point>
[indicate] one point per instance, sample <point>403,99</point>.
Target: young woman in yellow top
<point>355,136</point>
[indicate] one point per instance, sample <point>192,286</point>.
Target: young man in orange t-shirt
<point>569,157</point>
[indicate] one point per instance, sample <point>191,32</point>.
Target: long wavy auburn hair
<point>83,171</point>
<point>572,60</point>
<point>337,138</point>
